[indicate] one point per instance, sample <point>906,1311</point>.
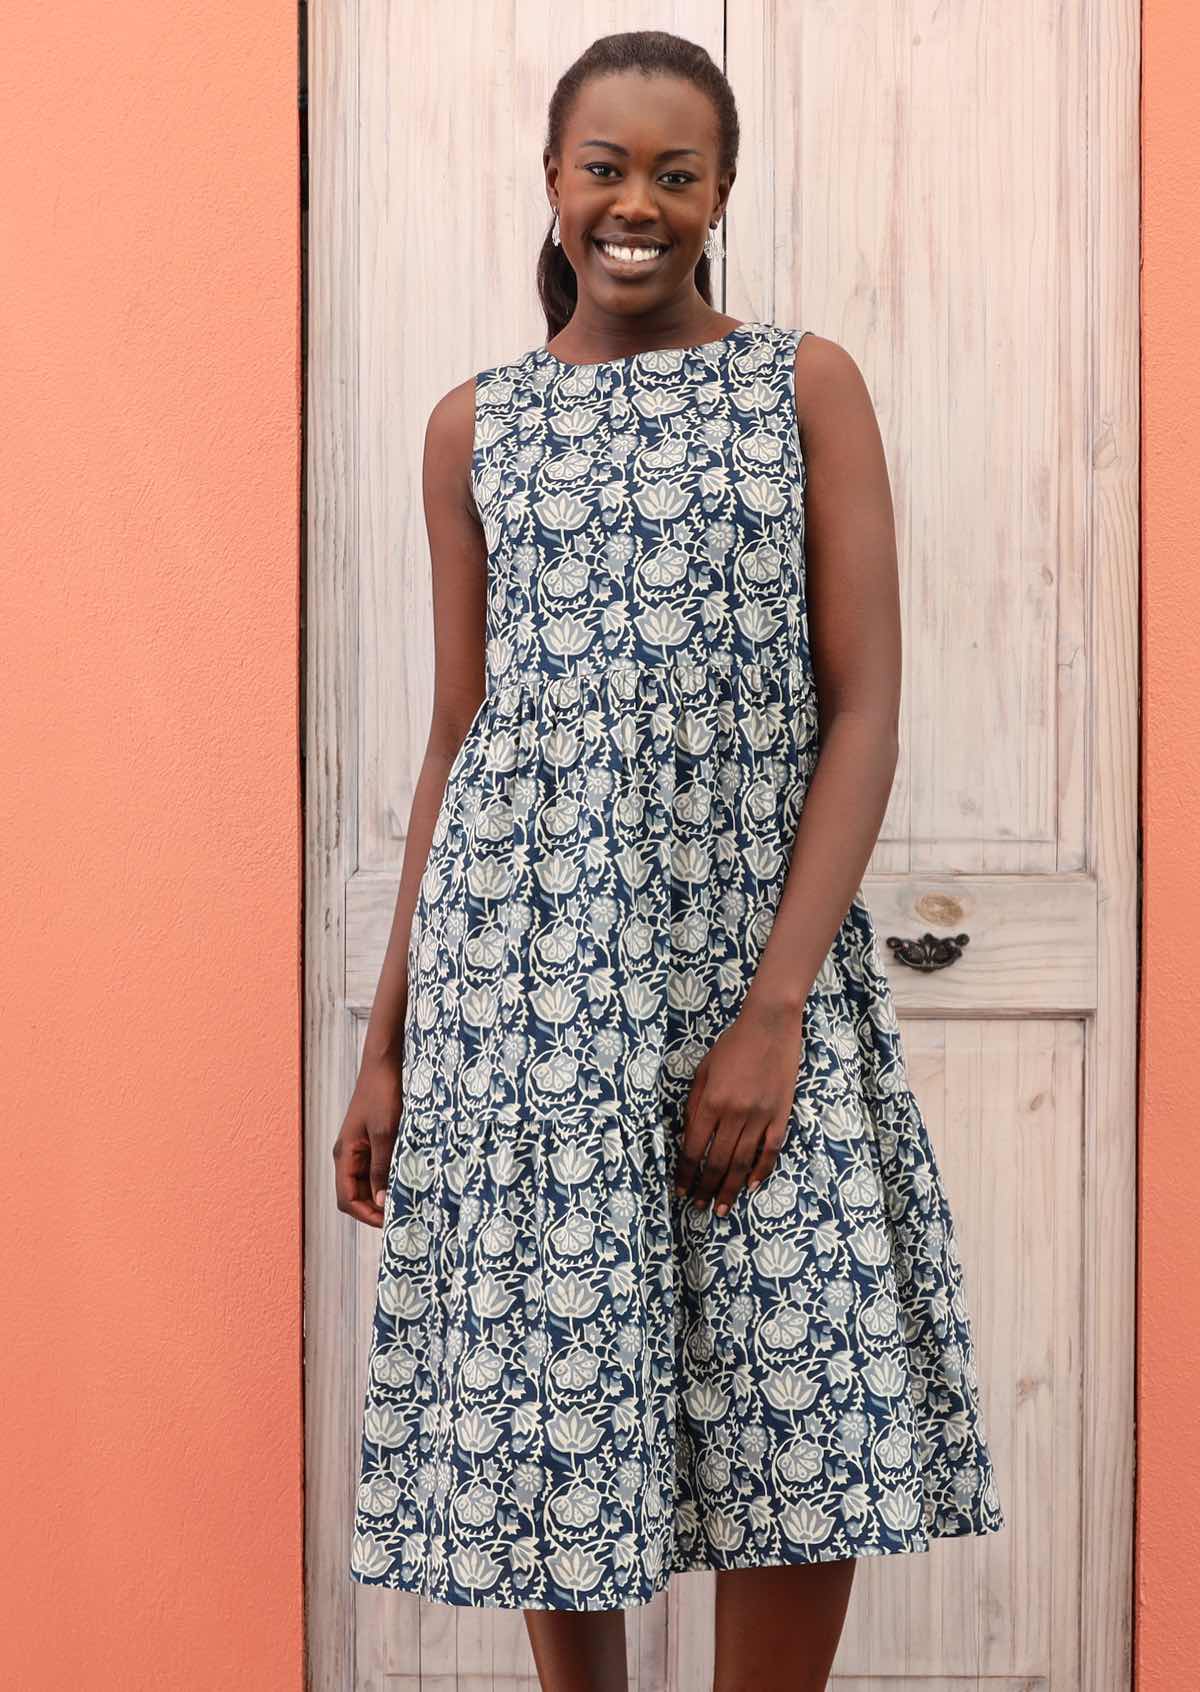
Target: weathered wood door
<point>951,192</point>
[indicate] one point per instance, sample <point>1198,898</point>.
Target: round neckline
<point>647,352</point>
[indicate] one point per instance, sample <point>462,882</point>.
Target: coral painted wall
<point>150,1253</point>
<point>1167,1637</point>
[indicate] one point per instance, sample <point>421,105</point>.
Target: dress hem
<point>920,1543</point>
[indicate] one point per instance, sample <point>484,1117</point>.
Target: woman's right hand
<point>362,1152</point>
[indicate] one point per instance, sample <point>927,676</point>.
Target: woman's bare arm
<point>458,559</point>
<point>853,599</point>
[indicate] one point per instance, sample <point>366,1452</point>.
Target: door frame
<point>1112,64</point>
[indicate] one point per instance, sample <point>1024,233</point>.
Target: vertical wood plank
<point>331,1377</point>
<point>1106,1597</point>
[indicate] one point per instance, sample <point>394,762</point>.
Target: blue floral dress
<point>578,1382</point>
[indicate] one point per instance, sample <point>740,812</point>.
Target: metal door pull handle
<point>930,951</point>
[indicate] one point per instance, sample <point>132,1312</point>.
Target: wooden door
<point>951,192</point>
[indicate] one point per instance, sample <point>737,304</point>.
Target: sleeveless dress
<point>578,1382</point>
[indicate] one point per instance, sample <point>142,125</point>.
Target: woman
<point>668,1277</point>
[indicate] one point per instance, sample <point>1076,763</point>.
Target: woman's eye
<point>680,176</point>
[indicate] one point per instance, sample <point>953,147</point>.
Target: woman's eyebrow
<point>668,153</point>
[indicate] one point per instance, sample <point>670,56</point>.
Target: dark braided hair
<point>653,52</point>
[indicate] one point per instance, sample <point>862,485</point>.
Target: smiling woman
<point>669,1280</point>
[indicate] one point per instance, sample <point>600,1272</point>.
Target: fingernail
<point>721,1209</point>
<point>750,1185</point>
<point>379,1198</point>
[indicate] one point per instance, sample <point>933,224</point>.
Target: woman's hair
<point>653,52</point>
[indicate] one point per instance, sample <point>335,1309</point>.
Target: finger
<point>743,1160</point>
<point>381,1165</point>
<point>690,1147</point>
<point>720,1155</point>
<point>701,1126</point>
<point>350,1169</point>
<point>768,1152</point>
<point>365,1210</point>
<point>350,1159</point>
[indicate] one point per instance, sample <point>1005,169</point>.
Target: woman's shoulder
<point>495,384</point>
<point>831,391</point>
<point>782,334</point>
<point>818,352</point>
<point>454,416</point>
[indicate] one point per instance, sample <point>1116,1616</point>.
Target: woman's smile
<point>624,259</point>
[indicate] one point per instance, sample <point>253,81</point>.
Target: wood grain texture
<point>332,1386</point>
<point>951,193</point>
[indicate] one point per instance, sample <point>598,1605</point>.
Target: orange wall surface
<point>1167,1619</point>
<point>150,1253</point>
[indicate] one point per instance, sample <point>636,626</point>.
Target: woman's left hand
<point>740,1104</point>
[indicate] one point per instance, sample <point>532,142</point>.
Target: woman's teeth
<point>631,255</point>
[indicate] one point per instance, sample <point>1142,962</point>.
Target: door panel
<point>951,193</point>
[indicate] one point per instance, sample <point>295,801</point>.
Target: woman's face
<point>638,170</point>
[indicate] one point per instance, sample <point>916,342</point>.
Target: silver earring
<point>554,229</point>
<point>712,245</point>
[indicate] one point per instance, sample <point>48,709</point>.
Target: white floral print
<point>578,1382</point>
